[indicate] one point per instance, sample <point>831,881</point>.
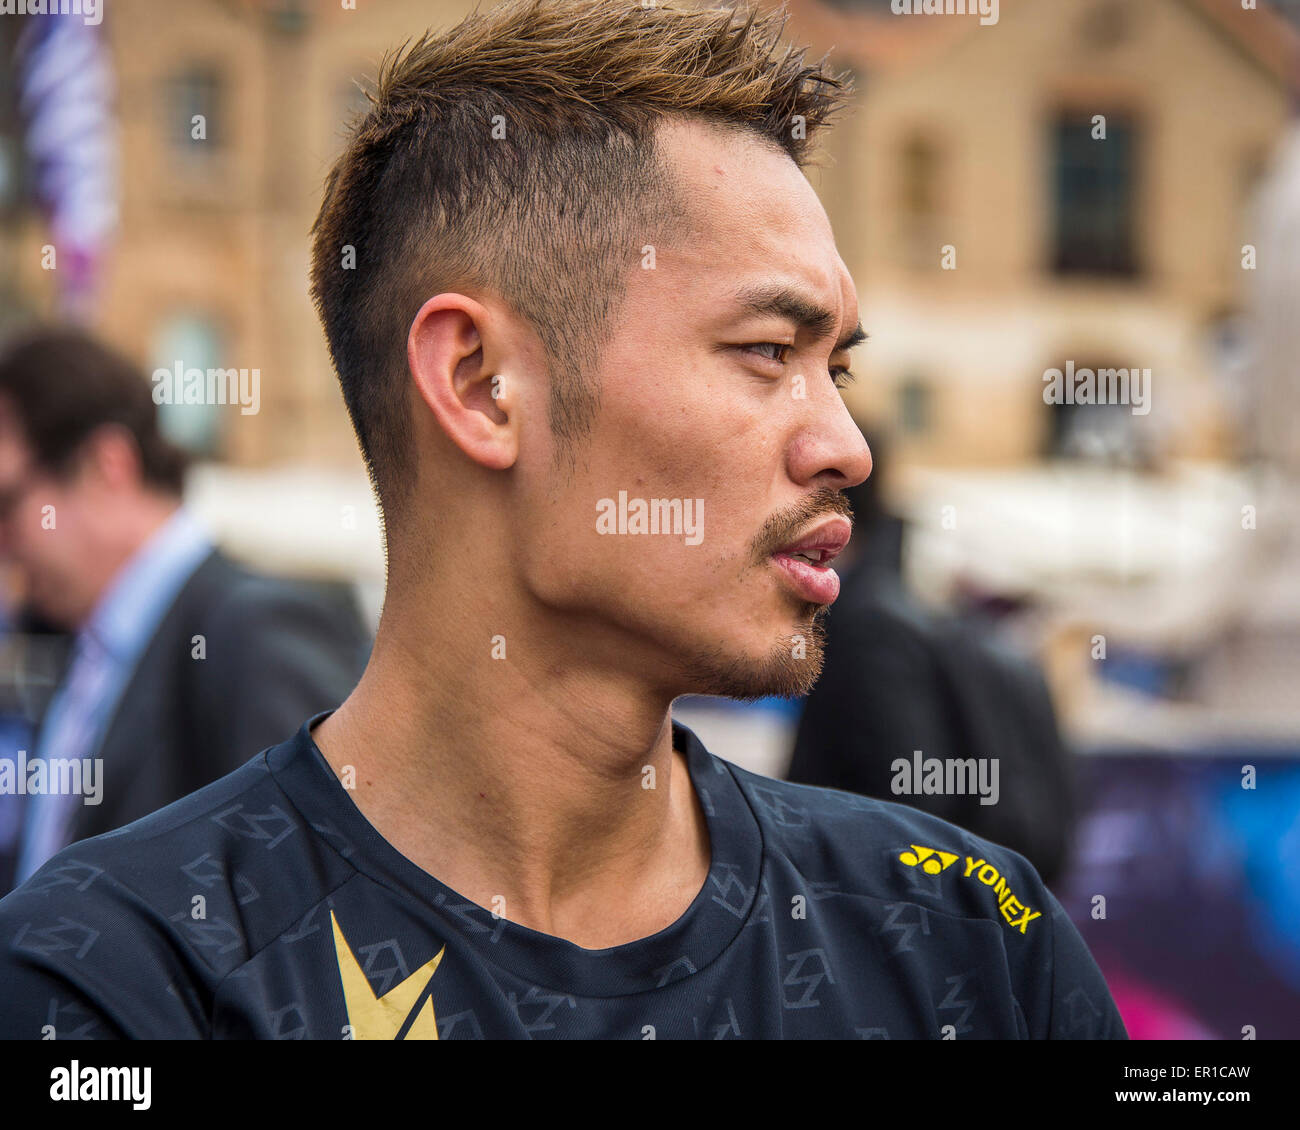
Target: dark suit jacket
<point>274,653</point>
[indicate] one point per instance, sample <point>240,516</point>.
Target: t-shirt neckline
<point>698,937</point>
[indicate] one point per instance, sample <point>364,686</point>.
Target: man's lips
<point>805,563</point>
<point>823,543</point>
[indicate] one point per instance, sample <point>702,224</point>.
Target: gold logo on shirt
<point>382,1018</point>
<point>933,860</point>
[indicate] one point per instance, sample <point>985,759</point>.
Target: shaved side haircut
<point>515,153</point>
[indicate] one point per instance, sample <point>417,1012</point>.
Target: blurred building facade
<point>991,232</point>
<point>994,233</point>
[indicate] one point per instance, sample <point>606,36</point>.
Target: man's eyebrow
<point>784,302</point>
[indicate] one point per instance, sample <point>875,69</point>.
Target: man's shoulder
<point>909,865</point>
<point>879,849</point>
<point>205,881</point>
<point>149,848</point>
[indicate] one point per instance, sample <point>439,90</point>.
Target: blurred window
<point>289,17</point>
<point>1107,434</point>
<point>1093,197</point>
<point>914,405</point>
<point>198,89</point>
<point>195,342</point>
<point>920,171</point>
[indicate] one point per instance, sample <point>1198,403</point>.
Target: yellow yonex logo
<point>930,860</point>
<point>382,1018</point>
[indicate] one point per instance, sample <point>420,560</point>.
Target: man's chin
<point>788,670</point>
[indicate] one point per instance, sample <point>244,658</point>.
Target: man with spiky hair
<point>570,257</point>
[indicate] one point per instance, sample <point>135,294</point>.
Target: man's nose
<point>858,466</point>
<point>832,450</point>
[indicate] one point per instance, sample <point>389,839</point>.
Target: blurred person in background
<point>900,678</point>
<point>184,664</point>
<point>15,733</point>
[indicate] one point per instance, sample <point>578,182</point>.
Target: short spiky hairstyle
<point>516,153</point>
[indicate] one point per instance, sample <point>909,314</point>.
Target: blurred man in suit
<point>183,664</point>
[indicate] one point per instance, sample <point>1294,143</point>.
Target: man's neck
<point>545,785</point>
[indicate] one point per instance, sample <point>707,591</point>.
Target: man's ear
<point>111,454</point>
<point>471,404</point>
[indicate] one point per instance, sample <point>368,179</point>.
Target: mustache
<point>783,527</point>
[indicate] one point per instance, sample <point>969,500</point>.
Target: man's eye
<point>773,345</point>
<point>840,374</point>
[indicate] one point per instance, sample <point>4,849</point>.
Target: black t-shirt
<point>266,906</point>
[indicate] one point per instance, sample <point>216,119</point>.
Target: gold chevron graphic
<point>381,1018</point>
